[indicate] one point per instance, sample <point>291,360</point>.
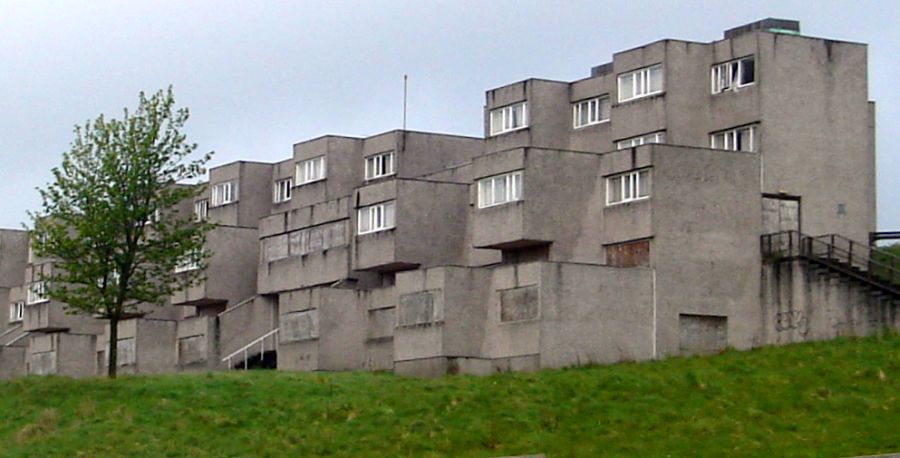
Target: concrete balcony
<point>51,316</point>
<point>230,276</point>
<point>428,225</point>
<point>305,247</point>
<point>552,197</point>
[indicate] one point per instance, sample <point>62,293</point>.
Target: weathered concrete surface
<point>801,303</point>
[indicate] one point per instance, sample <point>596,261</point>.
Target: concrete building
<point>683,198</point>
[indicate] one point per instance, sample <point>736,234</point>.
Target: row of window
<point>643,82</point>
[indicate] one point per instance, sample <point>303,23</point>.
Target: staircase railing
<point>245,350</point>
<point>853,258</point>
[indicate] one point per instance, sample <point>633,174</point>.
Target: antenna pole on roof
<point>405,78</point>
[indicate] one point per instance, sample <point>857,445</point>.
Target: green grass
<point>837,398</point>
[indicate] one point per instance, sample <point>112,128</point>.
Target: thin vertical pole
<point>405,78</point>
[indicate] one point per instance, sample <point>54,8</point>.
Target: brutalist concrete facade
<point>613,218</point>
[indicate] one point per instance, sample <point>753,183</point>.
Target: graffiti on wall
<point>790,321</point>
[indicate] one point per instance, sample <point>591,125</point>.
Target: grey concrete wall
<point>595,314</point>
<point>705,246</point>
<point>801,303</point>
<point>196,344</point>
<point>13,257</point>
<point>230,276</point>
<point>61,354</point>
<point>820,148</point>
<point>12,362</point>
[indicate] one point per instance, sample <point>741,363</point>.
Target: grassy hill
<point>836,398</point>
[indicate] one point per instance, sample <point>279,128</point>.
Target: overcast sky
<point>261,76</point>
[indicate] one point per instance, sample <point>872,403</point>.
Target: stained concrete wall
<point>230,276</point>
<point>61,354</point>
<point>802,303</point>
<point>145,346</point>
<point>322,328</point>
<point>196,345</point>
<point>521,317</point>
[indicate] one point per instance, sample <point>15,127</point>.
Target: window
<point>201,210</point>
<point>640,83</point>
<point>500,189</point>
<point>375,218</point>
<point>37,292</point>
<point>627,187</point>
<point>224,193</point>
<point>588,112</point>
<point>311,170</point>
<point>283,190</point>
<point>733,75</point>
<point>509,118</point>
<point>655,137</point>
<point>739,139</point>
<point>380,165</point>
<point>16,311</point>
<point>190,261</point>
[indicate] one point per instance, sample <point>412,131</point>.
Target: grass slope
<point>836,398</point>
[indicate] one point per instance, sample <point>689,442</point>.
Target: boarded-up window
<point>419,308</point>
<point>43,363</point>
<point>300,326</point>
<point>126,352</point>
<point>192,350</point>
<point>381,323</point>
<point>519,304</point>
<point>628,254</point>
<point>702,333</point>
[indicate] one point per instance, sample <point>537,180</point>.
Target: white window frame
<point>380,165</point>
<point>726,76</point>
<point>311,170</point>
<point>282,190</point>
<point>653,137</point>
<point>17,311</point>
<point>376,218</point>
<point>641,83</point>
<point>503,119</point>
<point>594,109</point>
<point>630,188</point>
<point>36,293</point>
<point>729,138</point>
<point>224,193</point>
<point>201,210</point>
<point>187,263</point>
<point>509,186</point>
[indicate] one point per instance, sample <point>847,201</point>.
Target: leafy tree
<point>109,220</point>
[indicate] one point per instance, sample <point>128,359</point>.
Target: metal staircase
<point>877,269</point>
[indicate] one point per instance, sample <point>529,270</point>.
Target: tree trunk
<point>113,351</point>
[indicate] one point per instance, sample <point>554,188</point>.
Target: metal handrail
<point>826,247</point>
<point>246,348</point>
